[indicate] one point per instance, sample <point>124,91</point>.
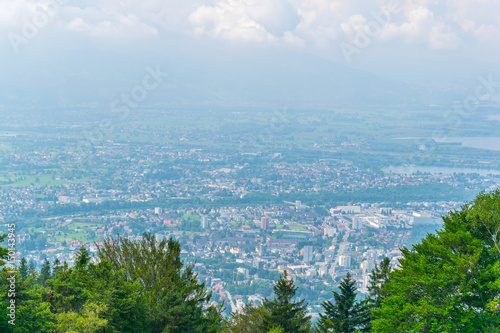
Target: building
<point>349,209</point>
<point>308,253</point>
<point>345,261</point>
<point>158,210</point>
<point>243,271</point>
<point>264,222</point>
<point>330,231</point>
<point>204,222</point>
<point>367,266</point>
<point>424,219</point>
<point>366,280</point>
<point>375,222</point>
<point>257,263</point>
<point>357,223</point>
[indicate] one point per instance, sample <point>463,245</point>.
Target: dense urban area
<point>244,205</point>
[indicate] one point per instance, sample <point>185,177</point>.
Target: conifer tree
<point>82,258</point>
<point>23,269</point>
<point>378,277</point>
<point>45,273</point>
<point>3,250</point>
<point>345,315</point>
<point>32,269</point>
<point>56,267</point>
<point>282,312</point>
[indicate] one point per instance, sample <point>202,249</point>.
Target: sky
<point>75,52</point>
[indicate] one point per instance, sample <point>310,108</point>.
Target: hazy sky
<point>107,41</point>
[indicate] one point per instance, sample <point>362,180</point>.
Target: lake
<point>437,170</point>
<point>489,143</point>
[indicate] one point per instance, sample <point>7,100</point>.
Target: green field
<point>28,180</point>
<point>73,236</point>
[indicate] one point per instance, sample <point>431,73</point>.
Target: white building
<point>330,231</point>
<point>308,253</point>
<point>367,266</point>
<point>424,219</point>
<point>243,271</point>
<point>374,222</point>
<point>345,261</point>
<point>204,222</point>
<point>357,223</point>
<point>366,280</point>
<point>350,209</point>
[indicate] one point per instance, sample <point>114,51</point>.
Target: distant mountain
<point>215,77</point>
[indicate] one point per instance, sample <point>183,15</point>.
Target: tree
<point>282,312</point>
<point>77,290</point>
<point>3,251</point>
<point>175,300</point>
<point>32,269</point>
<point>45,273</point>
<point>32,312</point>
<point>88,321</point>
<point>23,269</point>
<point>378,277</point>
<point>250,320</point>
<point>82,258</point>
<point>346,315</point>
<point>56,267</point>
<point>447,282</point>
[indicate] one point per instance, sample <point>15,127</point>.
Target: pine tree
<point>283,312</point>
<point>32,269</point>
<point>378,277</point>
<point>44,273</point>
<point>23,269</point>
<point>346,315</point>
<point>3,251</point>
<point>82,258</point>
<point>56,267</point>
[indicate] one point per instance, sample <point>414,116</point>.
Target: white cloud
<point>480,18</point>
<point>99,23</point>
<point>437,24</point>
<point>247,20</point>
<point>325,22</point>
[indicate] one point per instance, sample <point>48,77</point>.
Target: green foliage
<point>345,315</point>
<point>379,277</point>
<point>45,272</point>
<point>175,300</point>
<point>250,320</point>
<point>86,322</point>
<point>283,312</point>
<point>56,266</point>
<point>3,251</point>
<point>447,283</point>
<point>78,290</point>
<point>23,269</point>
<point>32,270</point>
<point>82,258</point>
<point>32,312</point>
